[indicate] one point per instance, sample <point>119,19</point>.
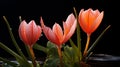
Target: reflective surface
<point>104,60</point>
<point>104,57</point>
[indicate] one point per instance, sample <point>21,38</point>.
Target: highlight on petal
<point>69,27</point>
<point>97,22</point>
<point>22,32</point>
<point>70,19</point>
<point>29,32</point>
<point>71,32</point>
<point>68,23</point>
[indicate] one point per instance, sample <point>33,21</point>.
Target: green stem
<point>13,38</point>
<point>39,47</point>
<point>96,41</point>
<point>18,57</point>
<point>10,51</point>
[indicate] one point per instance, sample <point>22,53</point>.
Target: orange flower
<point>29,33</point>
<point>56,34</point>
<point>89,20</point>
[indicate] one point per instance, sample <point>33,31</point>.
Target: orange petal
<point>83,20</point>
<point>58,32</point>
<point>97,22</point>
<point>91,18</point>
<point>66,28</point>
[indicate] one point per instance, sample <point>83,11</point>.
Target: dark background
<point>57,11</point>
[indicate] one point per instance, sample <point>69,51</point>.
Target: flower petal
<point>22,32</point>
<point>29,32</point>
<point>83,20</point>
<point>89,20</point>
<point>58,32</point>
<point>69,22</point>
<point>71,32</point>
<point>97,22</point>
<point>36,32</point>
<point>49,33</point>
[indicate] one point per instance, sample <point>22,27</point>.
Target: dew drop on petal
<point>41,34</point>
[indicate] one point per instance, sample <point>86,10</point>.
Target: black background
<point>57,11</point>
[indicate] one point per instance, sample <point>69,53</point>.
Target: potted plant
<point>59,54</point>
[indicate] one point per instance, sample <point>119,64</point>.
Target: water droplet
<point>41,34</point>
<point>10,28</point>
<point>5,64</point>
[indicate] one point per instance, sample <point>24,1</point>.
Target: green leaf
<point>50,45</point>
<point>78,35</point>
<point>10,51</point>
<point>51,62</point>
<point>70,56</point>
<point>79,53</point>
<point>13,38</point>
<point>52,49</point>
<point>39,47</point>
<point>18,57</point>
<point>52,59</point>
<point>73,45</point>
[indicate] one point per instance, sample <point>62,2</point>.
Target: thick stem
<point>33,56</point>
<point>87,45</point>
<point>60,56</point>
